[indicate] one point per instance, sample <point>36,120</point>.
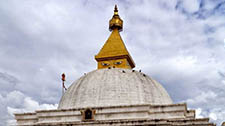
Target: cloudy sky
<point>179,43</point>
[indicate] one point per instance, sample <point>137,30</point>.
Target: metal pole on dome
<point>63,80</point>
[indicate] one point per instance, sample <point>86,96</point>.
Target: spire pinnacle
<point>115,10</point>
<point>116,22</point>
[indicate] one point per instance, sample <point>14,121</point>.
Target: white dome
<point>112,87</point>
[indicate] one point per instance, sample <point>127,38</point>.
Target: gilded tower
<point>114,53</point>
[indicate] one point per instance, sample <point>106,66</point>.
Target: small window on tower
<point>88,114</point>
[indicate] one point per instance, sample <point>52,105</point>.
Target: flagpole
<point>62,88</point>
<point>63,80</point>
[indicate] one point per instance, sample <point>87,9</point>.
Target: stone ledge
<point>119,106</point>
<point>182,122</point>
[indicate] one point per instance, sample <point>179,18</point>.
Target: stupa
<point>114,94</point>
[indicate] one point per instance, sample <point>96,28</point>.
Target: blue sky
<point>179,43</point>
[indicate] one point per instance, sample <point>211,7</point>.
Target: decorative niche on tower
<point>88,114</point>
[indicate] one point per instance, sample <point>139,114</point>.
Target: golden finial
<point>116,22</point>
<point>115,10</point>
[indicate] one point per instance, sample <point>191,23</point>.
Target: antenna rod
<point>63,80</point>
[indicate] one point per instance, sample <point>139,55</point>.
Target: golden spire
<point>114,53</point>
<point>116,22</point>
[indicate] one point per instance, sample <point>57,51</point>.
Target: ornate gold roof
<point>114,49</point>
<point>116,22</point>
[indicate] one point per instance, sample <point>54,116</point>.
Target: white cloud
<point>203,98</point>
<point>191,5</point>
<point>30,105</point>
<point>198,113</point>
<point>15,97</point>
<point>216,112</point>
<point>17,102</point>
<point>213,116</point>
